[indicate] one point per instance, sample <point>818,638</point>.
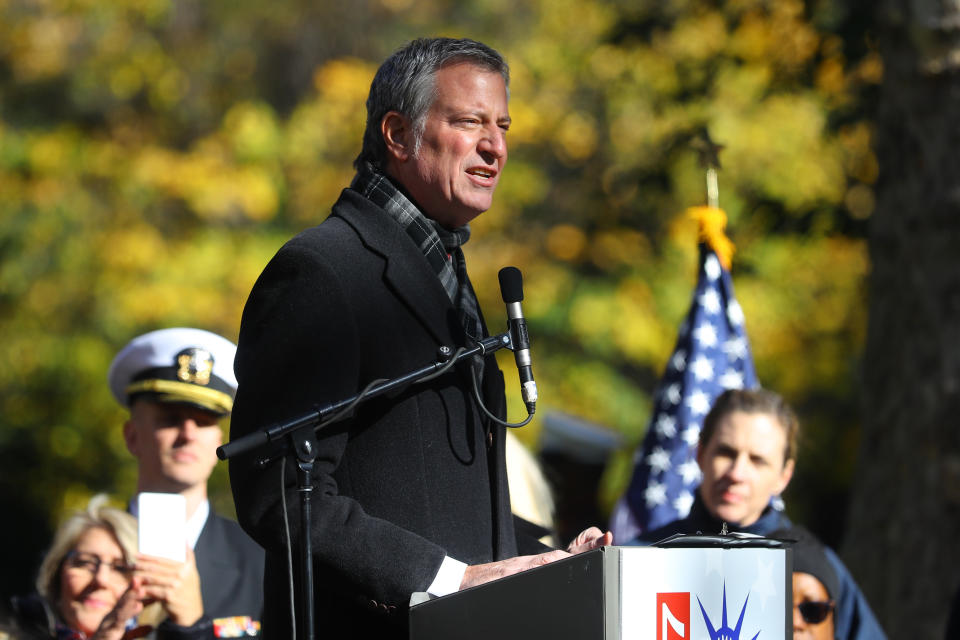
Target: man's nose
<point>493,143</point>
<point>188,429</point>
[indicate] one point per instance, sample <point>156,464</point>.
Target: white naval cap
<point>180,365</point>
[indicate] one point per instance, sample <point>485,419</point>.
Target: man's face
<point>453,175</point>
<point>175,444</point>
<point>743,466</point>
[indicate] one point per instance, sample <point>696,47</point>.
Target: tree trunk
<point>903,538</point>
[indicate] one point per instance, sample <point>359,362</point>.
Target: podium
<point>678,593</point>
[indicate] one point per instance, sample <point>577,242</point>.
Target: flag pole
<point>713,191</point>
<point>711,218</point>
<point>709,154</point>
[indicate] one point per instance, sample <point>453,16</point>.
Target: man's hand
<point>176,585</point>
<point>590,539</point>
<point>481,573</point>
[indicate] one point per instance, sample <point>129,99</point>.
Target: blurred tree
<point>602,127</point>
<point>906,502</point>
<point>155,153</point>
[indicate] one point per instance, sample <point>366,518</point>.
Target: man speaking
<point>410,493</point>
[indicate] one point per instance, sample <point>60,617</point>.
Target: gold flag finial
<point>711,218</point>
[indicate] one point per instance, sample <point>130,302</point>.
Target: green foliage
<point>154,154</point>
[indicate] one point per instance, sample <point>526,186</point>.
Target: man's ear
<point>397,135</point>
<point>130,437</point>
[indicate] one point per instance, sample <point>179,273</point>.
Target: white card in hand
<point>162,525</point>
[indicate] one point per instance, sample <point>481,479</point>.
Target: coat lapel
<point>406,270</point>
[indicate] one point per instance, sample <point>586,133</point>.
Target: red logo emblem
<point>673,616</point>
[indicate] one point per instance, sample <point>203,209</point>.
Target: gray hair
<point>406,83</point>
<point>120,524</point>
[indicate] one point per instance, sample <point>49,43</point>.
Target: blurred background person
<point>179,386</point>
<point>531,499</point>
<point>573,455</point>
<point>747,454</point>
<point>85,574</point>
<point>92,584</point>
<point>815,586</point>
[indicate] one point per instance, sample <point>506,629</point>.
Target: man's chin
<point>455,219</point>
<point>177,480</point>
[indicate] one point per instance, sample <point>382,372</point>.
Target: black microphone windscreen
<point>511,284</point>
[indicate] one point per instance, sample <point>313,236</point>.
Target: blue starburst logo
<point>725,632</point>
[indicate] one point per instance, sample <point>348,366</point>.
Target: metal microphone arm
<point>320,416</point>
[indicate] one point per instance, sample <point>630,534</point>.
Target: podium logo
<point>725,632</point>
<point>673,616</point>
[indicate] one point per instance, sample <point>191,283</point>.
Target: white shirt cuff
<point>448,578</point>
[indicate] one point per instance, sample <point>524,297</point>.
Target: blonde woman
<point>93,585</point>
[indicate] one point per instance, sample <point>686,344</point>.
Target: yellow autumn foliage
<point>154,156</point>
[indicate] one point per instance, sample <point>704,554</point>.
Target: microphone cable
<point>476,396</point>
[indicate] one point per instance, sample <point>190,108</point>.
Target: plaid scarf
<point>441,247</point>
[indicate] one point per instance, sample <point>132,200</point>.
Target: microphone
<point>511,288</point>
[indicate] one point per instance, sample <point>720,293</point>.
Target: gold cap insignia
<point>194,365</point>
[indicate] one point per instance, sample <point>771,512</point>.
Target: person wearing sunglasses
<point>92,585</point>
<point>815,585</point>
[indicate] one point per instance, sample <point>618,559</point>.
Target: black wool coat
<point>410,478</point>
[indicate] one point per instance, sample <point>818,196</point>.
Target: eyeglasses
<point>815,611</point>
<point>91,563</point>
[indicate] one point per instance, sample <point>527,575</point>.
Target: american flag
<point>712,354</point>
